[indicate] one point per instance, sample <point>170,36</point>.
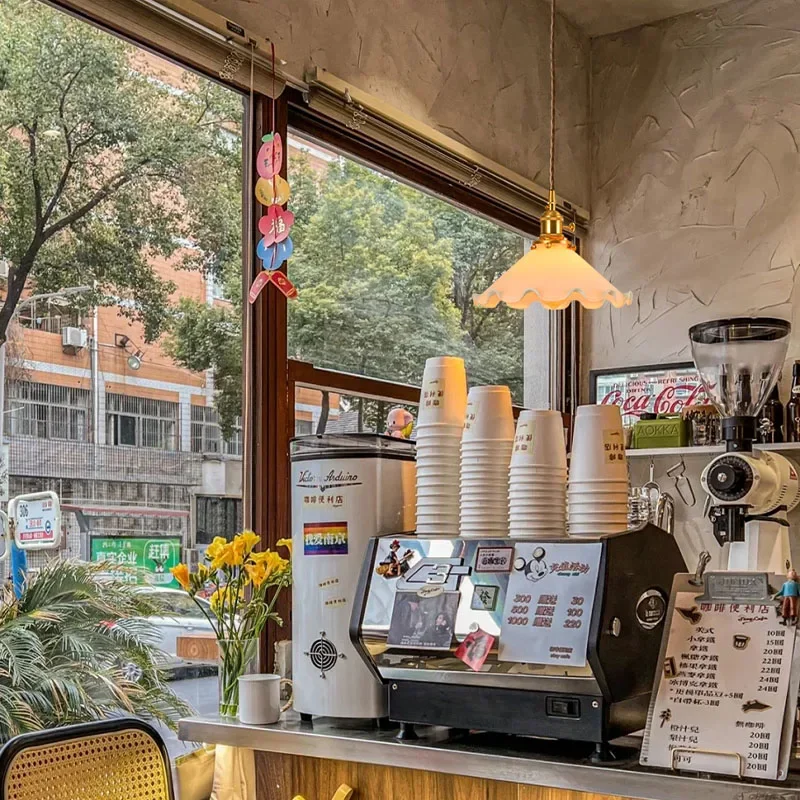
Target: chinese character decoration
<point>273,192</point>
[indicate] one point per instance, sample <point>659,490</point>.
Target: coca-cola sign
<point>665,389</point>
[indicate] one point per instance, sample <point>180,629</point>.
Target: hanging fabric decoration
<point>273,192</point>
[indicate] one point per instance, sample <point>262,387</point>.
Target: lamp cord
<point>552,94</point>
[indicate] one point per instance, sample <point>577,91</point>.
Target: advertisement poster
<point>150,557</point>
<point>722,695</point>
<point>549,603</point>
<point>654,390</point>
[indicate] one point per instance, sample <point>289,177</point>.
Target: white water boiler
<point>346,488</point>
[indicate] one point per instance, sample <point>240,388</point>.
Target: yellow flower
<point>214,549</point>
<point>274,565</point>
<point>257,573</point>
<point>223,598</point>
<point>234,554</point>
<point>249,540</point>
<point>198,579</point>
<point>181,574</point>
<point>287,543</point>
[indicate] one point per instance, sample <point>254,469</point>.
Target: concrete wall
<point>475,70</point>
<point>695,190</point>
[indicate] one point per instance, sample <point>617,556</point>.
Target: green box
<point>662,432</point>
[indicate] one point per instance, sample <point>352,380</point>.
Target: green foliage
<point>386,276</point>
<point>103,167</point>
<point>66,646</point>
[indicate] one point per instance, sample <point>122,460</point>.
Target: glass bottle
<point>793,407</point>
<point>770,420</point>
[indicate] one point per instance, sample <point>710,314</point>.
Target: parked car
<point>183,617</point>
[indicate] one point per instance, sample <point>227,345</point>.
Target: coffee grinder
<point>750,491</point>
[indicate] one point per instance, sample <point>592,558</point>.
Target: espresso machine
<point>551,638</point>
<point>750,491</point>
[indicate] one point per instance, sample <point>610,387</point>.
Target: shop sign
<point>665,389</point>
<point>140,560</point>
<point>37,520</point>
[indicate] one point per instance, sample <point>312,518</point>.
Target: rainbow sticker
<point>325,539</point>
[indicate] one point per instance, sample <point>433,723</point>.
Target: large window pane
<point>120,205</point>
<point>386,275</point>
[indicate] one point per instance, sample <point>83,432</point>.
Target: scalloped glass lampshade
<point>553,275</point>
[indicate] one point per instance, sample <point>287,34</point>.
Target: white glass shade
<point>553,276</point>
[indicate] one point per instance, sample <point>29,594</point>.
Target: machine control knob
<point>730,478</point>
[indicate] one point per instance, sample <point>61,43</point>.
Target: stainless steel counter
<point>517,760</point>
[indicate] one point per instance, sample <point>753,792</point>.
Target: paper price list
<point>544,612</point>
<point>723,689</point>
<point>549,604</point>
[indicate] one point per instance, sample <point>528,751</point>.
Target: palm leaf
<point>63,647</point>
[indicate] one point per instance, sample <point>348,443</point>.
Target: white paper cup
<point>443,395</point>
<point>555,491</point>
<point>486,479</point>
<point>600,519</point>
<point>599,485</point>
<point>439,471</point>
<point>586,529</point>
<point>489,414</point>
<point>497,461</point>
<point>597,494</point>
<point>591,506</point>
<point>260,699</point>
<point>598,445</point>
<point>540,479</point>
<point>537,473</point>
<point>539,439</point>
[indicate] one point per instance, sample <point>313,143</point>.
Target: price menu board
<point>549,603</point>
<point>721,701</point>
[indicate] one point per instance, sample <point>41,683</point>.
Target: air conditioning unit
<point>73,340</point>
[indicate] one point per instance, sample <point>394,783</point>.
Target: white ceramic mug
<point>260,699</point>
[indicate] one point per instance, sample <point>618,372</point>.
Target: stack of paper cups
<point>442,405</point>
<point>537,490</point>
<point>485,455</point>
<point>598,473</point>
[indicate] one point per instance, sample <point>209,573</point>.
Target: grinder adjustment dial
<point>730,478</point>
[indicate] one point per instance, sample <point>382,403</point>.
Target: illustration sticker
<point>325,539</point>
<point>475,648</point>
<point>484,598</point>
<point>494,559</point>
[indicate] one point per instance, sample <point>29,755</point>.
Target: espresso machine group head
<point>739,361</point>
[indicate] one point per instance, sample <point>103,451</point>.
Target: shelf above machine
<point>703,450</point>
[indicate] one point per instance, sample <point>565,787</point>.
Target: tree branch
<point>101,194</point>
<point>62,181</point>
<point>37,187</point>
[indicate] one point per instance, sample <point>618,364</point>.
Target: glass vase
<point>237,657</point>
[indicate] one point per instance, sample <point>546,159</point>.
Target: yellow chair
<point>117,759</point>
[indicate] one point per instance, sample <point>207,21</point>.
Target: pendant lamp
<point>551,272</point>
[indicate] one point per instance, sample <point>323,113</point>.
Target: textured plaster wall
<point>695,192</point>
<point>475,69</point>
<point>696,176</point>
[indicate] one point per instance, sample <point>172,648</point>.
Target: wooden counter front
<point>283,777</point>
